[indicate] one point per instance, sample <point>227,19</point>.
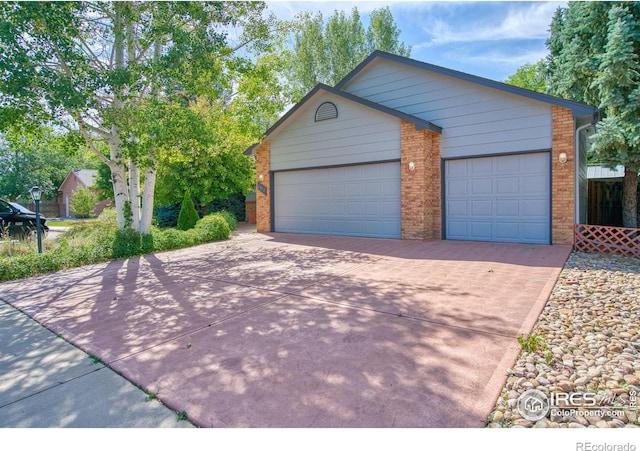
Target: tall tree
<point>530,76</point>
<point>38,156</point>
<point>595,58</point>
<point>110,70</point>
<point>213,165</point>
<point>383,34</point>
<point>324,52</point>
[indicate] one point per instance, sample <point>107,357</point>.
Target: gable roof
<point>420,124</point>
<point>87,177</point>
<point>578,109</point>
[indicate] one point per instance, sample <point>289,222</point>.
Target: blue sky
<point>489,39</point>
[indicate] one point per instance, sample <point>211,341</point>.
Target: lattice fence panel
<point>607,240</point>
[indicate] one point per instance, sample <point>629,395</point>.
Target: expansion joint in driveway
<point>198,329</point>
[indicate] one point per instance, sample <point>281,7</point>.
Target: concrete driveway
<point>287,330</point>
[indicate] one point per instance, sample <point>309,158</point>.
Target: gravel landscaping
<point>584,349</point>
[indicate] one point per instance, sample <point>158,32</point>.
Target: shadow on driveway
<point>289,330</point>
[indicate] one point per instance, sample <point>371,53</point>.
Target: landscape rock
<point>590,326</point>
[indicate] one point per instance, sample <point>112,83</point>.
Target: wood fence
<point>607,240</point>
<point>48,208</point>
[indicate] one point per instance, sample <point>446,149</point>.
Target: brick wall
<point>420,188</point>
<point>71,185</point>
<point>562,177</point>
<point>263,202</point>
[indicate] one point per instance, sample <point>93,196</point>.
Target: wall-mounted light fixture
<point>261,178</point>
<point>562,158</point>
<point>412,166</point>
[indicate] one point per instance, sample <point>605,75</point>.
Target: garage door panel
<point>457,208</point>
<point>457,187</point>
<point>457,230</point>
<point>481,208</point>
<point>534,184</point>
<point>532,230</point>
<point>532,208</point>
<point>480,230</point>
<point>480,166</point>
<point>507,185</point>
<point>501,198</point>
<point>507,207</point>
<point>507,231</point>
<point>355,200</point>
<point>481,186</point>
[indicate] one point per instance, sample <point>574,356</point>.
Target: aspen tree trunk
<point>147,198</point>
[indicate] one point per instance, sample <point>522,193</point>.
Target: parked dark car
<point>19,222</point>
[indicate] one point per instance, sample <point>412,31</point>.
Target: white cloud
<point>509,60</point>
<point>521,21</point>
<point>287,10</point>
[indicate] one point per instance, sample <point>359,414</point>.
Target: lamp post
<point>35,194</point>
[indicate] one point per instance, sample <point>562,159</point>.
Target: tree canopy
<point>39,157</point>
<point>125,74</point>
<point>326,51</point>
<point>530,76</point>
<point>595,58</point>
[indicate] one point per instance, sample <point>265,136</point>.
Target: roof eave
<point>578,109</point>
<point>421,124</point>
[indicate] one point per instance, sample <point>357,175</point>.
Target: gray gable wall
<point>475,119</point>
<point>359,134</point>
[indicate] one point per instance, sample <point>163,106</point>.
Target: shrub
<point>171,239</point>
<point>230,218</point>
<point>167,216</point>
<point>83,203</point>
<point>212,228</point>
<point>100,240</point>
<point>129,242</point>
<point>188,214</point>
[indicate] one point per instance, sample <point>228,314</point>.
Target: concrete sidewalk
<point>47,382</point>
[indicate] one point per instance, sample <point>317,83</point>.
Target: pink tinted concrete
<point>300,331</point>
<point>302,363</point>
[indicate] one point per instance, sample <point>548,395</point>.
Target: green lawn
<point>61,223</point>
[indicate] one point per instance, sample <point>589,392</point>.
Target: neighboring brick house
<point>404,149</point>
<point>76,179</point>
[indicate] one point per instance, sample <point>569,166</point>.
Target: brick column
<point>420,188</point>
<point>562,177</point>
<point>433,207</point>
<point>263,201</point>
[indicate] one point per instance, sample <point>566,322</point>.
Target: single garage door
<point>502,198</point>
<point>361,200</point>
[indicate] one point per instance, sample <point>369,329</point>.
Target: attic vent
<point>326,111</point>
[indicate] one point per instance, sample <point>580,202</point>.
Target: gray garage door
<point>503,198</point>
<point>359,200</point>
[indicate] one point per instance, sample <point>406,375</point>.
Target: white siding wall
<point>359,134</point>
<point>476,120</point>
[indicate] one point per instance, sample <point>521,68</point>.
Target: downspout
<point>576,152</point>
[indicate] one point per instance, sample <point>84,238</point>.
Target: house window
<point>326,111</point>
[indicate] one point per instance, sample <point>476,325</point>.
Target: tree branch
<point>93,55</point>
<point>89,142</point>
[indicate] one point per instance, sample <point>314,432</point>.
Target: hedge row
<point>101,240</point>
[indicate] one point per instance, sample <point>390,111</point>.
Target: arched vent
<point>326,111</point>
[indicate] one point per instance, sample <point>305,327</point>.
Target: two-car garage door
<point>360,200</point>
<point>501,198</point>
